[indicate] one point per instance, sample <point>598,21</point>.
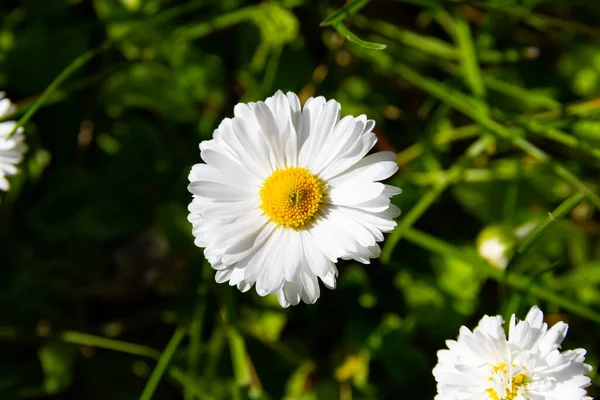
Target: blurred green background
<point>492,106</point>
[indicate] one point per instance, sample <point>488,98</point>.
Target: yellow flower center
<point>508,382</point>
<point>291,197</point>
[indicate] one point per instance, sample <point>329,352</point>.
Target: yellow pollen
<point>291,197</point>
<point>511,385</point>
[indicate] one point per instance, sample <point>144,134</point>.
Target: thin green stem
<point>563,209</point>
<point>61,94</point>
<point>214,351</point>
<point>512,193</point>
<point>47,94</point>
<point>163,363</point>
<point>349,9</point>
<point>109,344</point>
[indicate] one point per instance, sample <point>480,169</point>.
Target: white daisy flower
<point>286,191</point>
<point>485,365</point>
<point>11,149</point>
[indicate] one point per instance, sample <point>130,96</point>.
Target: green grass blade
<point>85,339</point>
<point>349,9</point>
<point>345,32</point>
<point>563,209</point>
<point>163,363</point>
<point>470,65</point>
<point>54,85</point>
<point>237,345</point>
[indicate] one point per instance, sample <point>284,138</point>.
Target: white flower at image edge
<point>11,149</point>
<point>529,365</point>
<point>286,191</point>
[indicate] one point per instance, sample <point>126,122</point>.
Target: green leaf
<point>345,32</point>
<point>57,362</point>
<point>460,281</point>
<point>266,325</point>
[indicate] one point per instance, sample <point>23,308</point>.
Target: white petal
<point>310,113</point>
<point>311,287</point>
<point>11,149</point>
<point>295,110</point>
<point>256,143</point>
<point>374,167</point>
<point>317,262</point>
<point>267,123</point>
<point>360,192</point>
<point>292,292</point>
<point>294,255</point>
<point>320,132</point>
<point>357,151</point>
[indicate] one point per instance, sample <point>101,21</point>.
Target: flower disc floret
<point>291,197</point>
<point>507,382</point>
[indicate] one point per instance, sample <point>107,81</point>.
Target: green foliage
<point>57,361</point>
<point>492,108</point>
